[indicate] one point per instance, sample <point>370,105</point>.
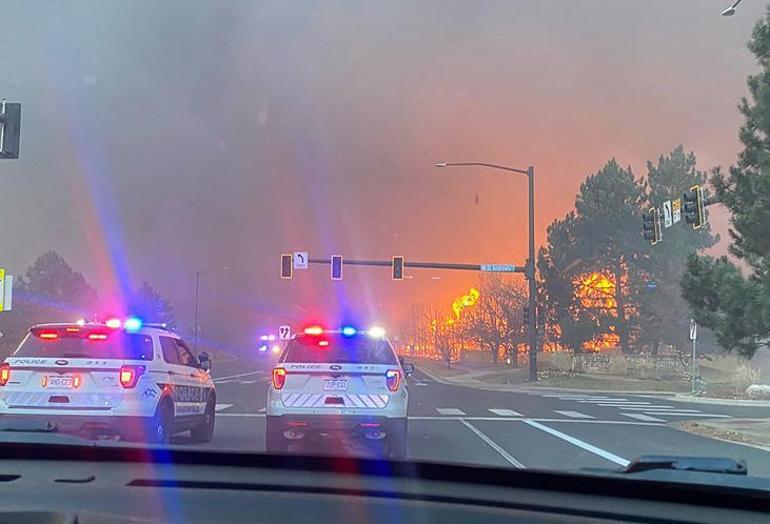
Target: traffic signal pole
<point>532,327</point>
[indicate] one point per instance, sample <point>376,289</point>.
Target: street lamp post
<point>197,288</point>
<point>530,266</point>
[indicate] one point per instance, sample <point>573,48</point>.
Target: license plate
<point>57,381</point>
<point>335,385</point>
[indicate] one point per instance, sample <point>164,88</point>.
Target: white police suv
<point>116,379</point>
<point>338,383</point>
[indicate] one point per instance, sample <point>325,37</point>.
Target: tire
<point>161,424</point>
<point>398,441</point>
<point>204,431</point>
<point>275,441</point>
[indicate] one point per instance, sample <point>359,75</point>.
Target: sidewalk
<point>752,432</point>
<point>502,378</point>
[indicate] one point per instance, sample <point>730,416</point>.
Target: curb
<point>680,397</point>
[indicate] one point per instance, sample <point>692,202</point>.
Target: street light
<point>530,266</point>
<point>197,287</point>
<point>730,11</point>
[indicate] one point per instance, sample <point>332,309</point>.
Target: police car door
<point>179,375</point>
<point>195,392</point>
<point>191,396</point>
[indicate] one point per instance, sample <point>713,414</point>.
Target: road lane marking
<point>451,411</point>
<point>655,408</point>
<point>579,443</point>
<point>506,412</point>
<point>261,410</point>
<point>491,419</point>
<point>629,404</point>
<point>607,400</point>
<point>492,444</point>
<point>248,381</point>
<point>239,375</point>
<point>572,414</point>
<point>693,415</point>
<point>644,418</point>
<point>220,407</point>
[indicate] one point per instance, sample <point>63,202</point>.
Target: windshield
<point>338,349</point>
<point>117,346</point>
<point>538,229</point>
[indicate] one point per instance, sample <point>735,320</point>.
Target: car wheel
<point>275,441</point>
<point>398,442</point>
<point>204,431</point>
<point>161,425</point>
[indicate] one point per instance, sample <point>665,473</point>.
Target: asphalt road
<point>532,429</point>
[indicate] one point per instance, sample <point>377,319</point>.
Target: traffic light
<point>525,314</point>
<point>651,226</point>
<point>336,267</point>
<point>10,129</point>
<point>694,209</point>
<point>287,265</point>
<point>398,268</point>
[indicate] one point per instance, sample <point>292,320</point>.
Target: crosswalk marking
<point>506,412</point>
<point>643,418</point>
<point>573,414</point>
<point>221,407</point>
<point>607,400</point>
<point>450,411</point>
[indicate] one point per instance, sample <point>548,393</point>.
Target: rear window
<point>341,350</point>
<point>122,346</point>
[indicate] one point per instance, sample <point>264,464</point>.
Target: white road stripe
<point>506,412</point>
<point>579,443</point>
<point>492,444</point>
<point>644,418</point>
<point>450,411</point>
<point>239,375</point>
<point>694,415</point>
<point>248,381</point>
<point>220,407</point>
<point>261,414</point>
<point>607,400</point>
<point>656,408</point>
<point>624,404</point>
<point>261,410</point>
<point>573,414</point>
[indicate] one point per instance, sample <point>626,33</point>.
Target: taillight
<point>76,381</point>
<point>392,378</point>
<point>5,374</point>
<point>97,336</point>
<point>48,335</point>
<point>129,375</point>
<point>279,378</point>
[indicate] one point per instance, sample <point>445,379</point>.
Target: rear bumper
<point>335,425</point>
<point>81,425</point>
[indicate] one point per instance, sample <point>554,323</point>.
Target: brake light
<point>48,335</point>
<point>314,330</point>
<point>392,378</point>
<point>76,381</point>
<point>129,375</point>
<point>5,374</point>
<point>72,330</point>
<point>323,343</point>
<point>279,378</point>
<point>113,323</point>
<point>97,336</point>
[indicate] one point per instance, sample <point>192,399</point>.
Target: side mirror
<point>204,363</point>
<point>408,368</point>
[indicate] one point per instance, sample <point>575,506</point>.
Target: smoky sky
<point>160,138</point>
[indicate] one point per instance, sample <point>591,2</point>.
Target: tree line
<point>52,291</point>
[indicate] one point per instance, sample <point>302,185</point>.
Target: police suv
<point>116,379</point>
<point>338,383</point>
